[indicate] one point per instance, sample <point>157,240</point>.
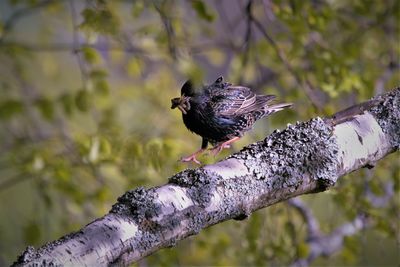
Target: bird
<point>221,113</point>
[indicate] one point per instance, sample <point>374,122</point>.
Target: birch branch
<point>304,158</point>
<point>324,244</point>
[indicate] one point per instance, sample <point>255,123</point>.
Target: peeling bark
<point>307,157</point>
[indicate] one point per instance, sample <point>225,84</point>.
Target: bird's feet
<point>192,157</point>
<point>218,148</point>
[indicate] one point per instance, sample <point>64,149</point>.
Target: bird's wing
<point>237,100</point>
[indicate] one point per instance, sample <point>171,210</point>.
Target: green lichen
<point>284,157</point>
<point>200,184</point>
<point>139,204</point>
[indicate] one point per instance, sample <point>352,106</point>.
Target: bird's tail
<point>267,110</point>
<point>277,107</point>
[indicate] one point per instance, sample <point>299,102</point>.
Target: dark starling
<point>221,113</point>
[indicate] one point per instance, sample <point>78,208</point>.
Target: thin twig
<point>17,15</point>
<point>168,28</point>
<point>76,44</point>
<point>306,85</point>
<point>321,244</point>
<point>312,223</point>
<point>247,36</point>
<point>378,201</point>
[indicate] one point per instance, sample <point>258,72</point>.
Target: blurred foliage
<point>85,89</point>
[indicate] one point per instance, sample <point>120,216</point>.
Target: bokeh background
<point>85,89</point>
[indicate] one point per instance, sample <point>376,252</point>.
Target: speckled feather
<point>221,111</point>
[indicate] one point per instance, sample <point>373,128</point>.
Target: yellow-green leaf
<point>203,11</point>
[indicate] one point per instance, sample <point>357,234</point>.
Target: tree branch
<point>169,29</point>
<point>319,243</point>
<point>307,157</point>
<point>312,223</point>
<point>326,245</point>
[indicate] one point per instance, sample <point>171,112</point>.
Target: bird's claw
<point>190,158</point>
<point>217,149</point>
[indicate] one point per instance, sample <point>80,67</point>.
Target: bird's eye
<point>219,80</point>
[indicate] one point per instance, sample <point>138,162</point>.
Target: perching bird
<point>221,113</point>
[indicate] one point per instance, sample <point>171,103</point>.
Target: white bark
<point>307,157</point>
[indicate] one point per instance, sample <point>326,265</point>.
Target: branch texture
<point>304,158</point>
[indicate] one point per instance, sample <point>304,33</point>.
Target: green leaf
<point>90,55</point>
<point>303,250</point>
<point>89,16</point>
<point>9,108</point>
<point>45,107</point>
<point>62,171</point>
<point>67,102</point>
<point>330,89</point>
<point>134,67</point>
<point>98,74</point>
<point>137,8</point>
<point>101,87</point>
<point>100,19</point>
<point>105,147</point>
<point>203,11</point>
<point>82,100</point>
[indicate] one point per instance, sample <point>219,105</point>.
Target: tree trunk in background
<point>307,157</point>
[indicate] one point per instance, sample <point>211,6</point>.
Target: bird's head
<point>219,80</point>
<point>187,89</point>
<point>182,103</point>
<point>220,83</point>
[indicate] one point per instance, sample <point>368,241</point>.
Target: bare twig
<point>168,28</point>
<point>312,223</point>
<point>321,244</point>
<point>247,36</point>
<point>381,200</point>
<point>326,245</point>
<point>305,84</point>
<point>76,44</point>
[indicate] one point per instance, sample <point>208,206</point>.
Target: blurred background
<point>85,89</point>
